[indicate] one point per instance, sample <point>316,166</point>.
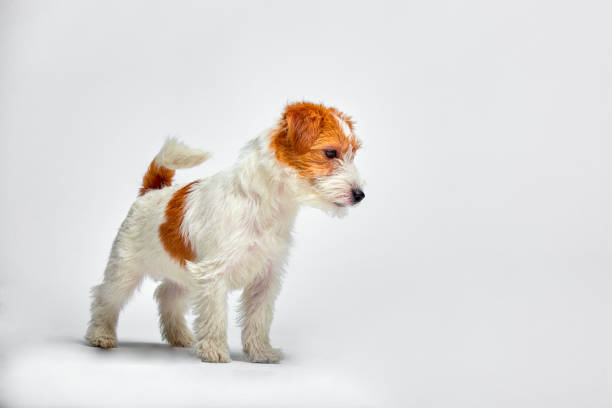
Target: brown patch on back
<point>305,131</point>
<point>156,177</point>
<point>175,243</point>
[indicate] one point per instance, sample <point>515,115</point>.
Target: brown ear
<point>303,127</point>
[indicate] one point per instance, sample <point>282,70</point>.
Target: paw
<point>179,338</point>
<point>212,352</point>
<point>100,337</point>
<point>263,354</point>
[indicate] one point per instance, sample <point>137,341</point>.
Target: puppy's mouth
<point>342,202</point>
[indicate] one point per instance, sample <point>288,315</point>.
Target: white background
<point>477,272</point>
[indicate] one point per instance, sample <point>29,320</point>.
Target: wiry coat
<point>215,235</point>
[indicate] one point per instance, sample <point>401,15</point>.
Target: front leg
<point>211,321</point>
<point>257,309</point>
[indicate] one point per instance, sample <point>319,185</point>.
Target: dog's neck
<point>258,176</point>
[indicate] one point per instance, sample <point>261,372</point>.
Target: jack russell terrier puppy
<point>226,232</point>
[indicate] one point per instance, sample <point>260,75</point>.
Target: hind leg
<point>173,300</point>
<point>120,281</point>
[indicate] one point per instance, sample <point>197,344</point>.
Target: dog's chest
<point>263,246</point>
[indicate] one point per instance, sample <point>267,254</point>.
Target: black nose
<point>358,195</point>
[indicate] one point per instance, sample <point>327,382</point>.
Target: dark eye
<point>331,154</point>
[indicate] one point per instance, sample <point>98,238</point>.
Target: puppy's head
<point>319,144</point>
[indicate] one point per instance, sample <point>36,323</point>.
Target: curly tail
<point>173,155</point>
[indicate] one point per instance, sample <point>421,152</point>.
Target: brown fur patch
<point>305,131</point>
<point>175,243</point>
<point>156,177</point>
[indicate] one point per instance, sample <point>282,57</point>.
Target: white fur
<point>338,186</point>
<point>176,155</point>
<point>344,126</point>
<point>239,223</point>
